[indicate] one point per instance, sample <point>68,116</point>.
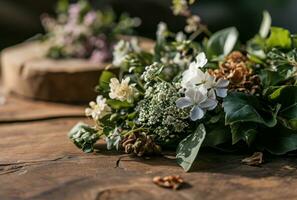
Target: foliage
<point>180,97</point>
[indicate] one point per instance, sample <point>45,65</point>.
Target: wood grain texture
<point>37,161</point>
<point>17,109</point>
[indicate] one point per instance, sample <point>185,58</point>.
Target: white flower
<point>219,86</point>
<point>113,140</point>
<point>121,91</point>
<point>194,75</point>
<point>98,109</point>
<point>180,60</point>
<point>122,48</point>
<point>161,31</point>
<point>180,36</point>
<point>200,101</point>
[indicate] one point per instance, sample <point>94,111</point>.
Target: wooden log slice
<point>27,72</point>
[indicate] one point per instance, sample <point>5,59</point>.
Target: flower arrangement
<point>81,32</point>
<point>185,95</point>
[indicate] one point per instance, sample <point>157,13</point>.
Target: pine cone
<point>140,144</point>
<point>241,77</point>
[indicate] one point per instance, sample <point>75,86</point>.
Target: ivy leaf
<point>278,140</point>
<point>279,37</point>
<point>270,78</point>
<point>287,97</point>
<point>217,135</point>
<point>244,131</point>
<point>189,147</point>
<point>240,107</point>
<point>222,42</point>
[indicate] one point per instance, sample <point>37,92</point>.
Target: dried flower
<point>255,160</point>
<point>121,90</point>
<point>140,144</point>
<point>235,70</point>
<point>98,109</point>
<point>173,182</point>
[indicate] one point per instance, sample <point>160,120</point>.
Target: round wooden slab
<point>28,73</point>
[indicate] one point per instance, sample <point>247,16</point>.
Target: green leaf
<point>222,42</point>
<point>270,78</point>
<point>217,135</point>
<point>278,140</point>
<point>244,131</point>
<point>189,147</point>
<point>265,25</point>
<point>84,137</point>
<point>279,37</point>
<point>287,97</point>
<point>116,104</point>
<point>240,107</point>
<point>255,48</point>
<point>104,79</point>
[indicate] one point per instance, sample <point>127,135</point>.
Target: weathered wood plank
<point>18,109</point>
<point>37,161</point>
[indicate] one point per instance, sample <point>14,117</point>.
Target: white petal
<point>209,104</point>
<point>196,113</point>
<point>99,99</point>
<point>88,111</point>
<point>222,83</point>
<point>126,80</point>
<point>183,102</point>
<point>201,60</point>
<point>221,92</point>
<point>211,94</point>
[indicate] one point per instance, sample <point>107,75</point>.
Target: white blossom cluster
<point>122,49</point>
<point>158,111</point>
<point>200,89</point>
<point>98,109</point>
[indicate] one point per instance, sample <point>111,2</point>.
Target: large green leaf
<point>217,132</point>
<point>189,147</point>
<point>287,97</point>
<point>222,42</point>
<point>280,38</point>
<point>240,107</point>
<point>278,140</point>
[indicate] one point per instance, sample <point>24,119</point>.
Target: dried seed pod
<point>140,144</point>
<point>255,160</point>
<point>173,182</point>
<point>235,69</point>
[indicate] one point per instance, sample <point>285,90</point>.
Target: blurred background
<point>20,19</point>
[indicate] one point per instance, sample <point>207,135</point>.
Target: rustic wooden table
<point>37,161</point>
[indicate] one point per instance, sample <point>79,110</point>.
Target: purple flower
<point>90,18</point>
